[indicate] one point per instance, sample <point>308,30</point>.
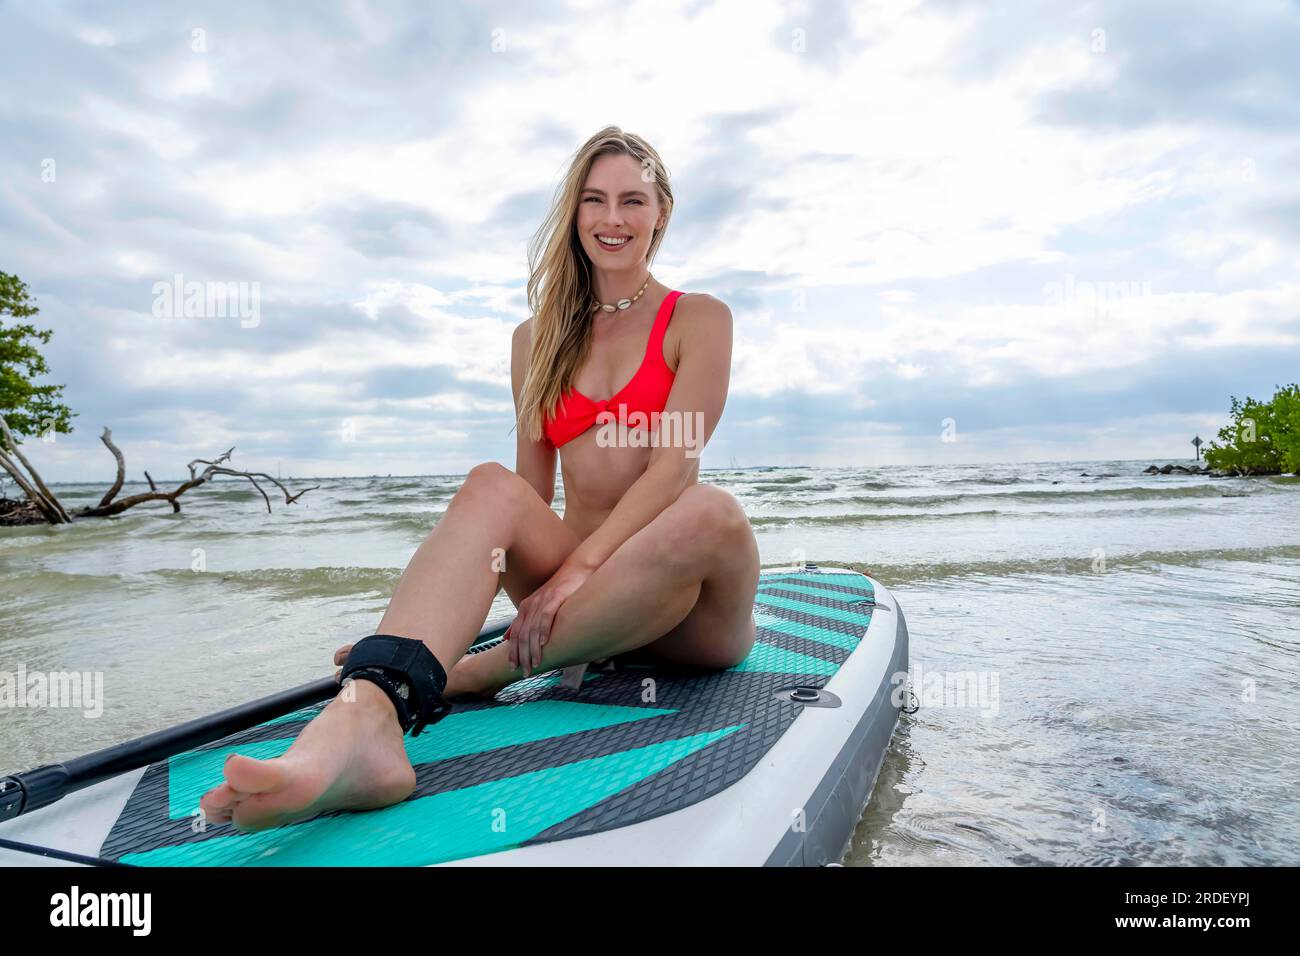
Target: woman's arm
<point>534,460</point>
<point>696,401</point>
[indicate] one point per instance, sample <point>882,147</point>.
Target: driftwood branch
<point>214,467</point>
<point>42,504</point>
<point>107,439</point>
<point>130,501</point>
<point>30,483</point>
<point>250,475</point>
<point>228,471</point>
<point>53,511</point>
<point>176,505</point>
<point>224,456</point>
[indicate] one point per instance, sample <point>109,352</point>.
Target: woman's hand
<point>531,629</point>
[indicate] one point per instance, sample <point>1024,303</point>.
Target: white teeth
<point>612,242</point>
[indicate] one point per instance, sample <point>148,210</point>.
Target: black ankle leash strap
<point>407,672</point>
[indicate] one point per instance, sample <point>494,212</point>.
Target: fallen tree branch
<point>35,488</point>
<point>29,480</point>
<point>42,504</point>
<point>288,498</point>
<point>214,467</point>
<point>107,439</point>
<point>176,506</point>
<point>117,507</point>
<point>224,456</point>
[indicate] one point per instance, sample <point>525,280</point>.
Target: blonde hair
<point>560,293</point>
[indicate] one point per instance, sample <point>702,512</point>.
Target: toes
<point>255,814</point>
<point>249,776</point>
<point>218,803</point>
<point>219,799</point>
<point>217,816</point>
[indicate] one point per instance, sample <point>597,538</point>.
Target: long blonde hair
<point>560,293</point>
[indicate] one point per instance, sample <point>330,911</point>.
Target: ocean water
<point>1134,640</point>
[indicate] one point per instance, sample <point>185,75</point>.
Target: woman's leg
<point>352,755</point>
<point>496,531</point>
<point>682,588</point>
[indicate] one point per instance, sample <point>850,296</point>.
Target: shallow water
<point>1137,638</point>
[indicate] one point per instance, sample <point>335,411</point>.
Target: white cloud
<point>918,175</point>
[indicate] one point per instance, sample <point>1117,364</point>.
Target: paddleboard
<point>767,763</point>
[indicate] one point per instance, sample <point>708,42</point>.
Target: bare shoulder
<point>701,320</point>
<point>704,309</point>
<point>523,333</point>
<point>699,315</point>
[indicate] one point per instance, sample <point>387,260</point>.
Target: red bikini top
<point>646,393</point>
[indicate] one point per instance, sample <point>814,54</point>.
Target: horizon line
<point>955,464</point>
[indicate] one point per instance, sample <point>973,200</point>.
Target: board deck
<point>551,770</point>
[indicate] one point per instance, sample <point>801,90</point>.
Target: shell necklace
<point>621,304</point>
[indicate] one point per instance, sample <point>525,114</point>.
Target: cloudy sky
<point>1072,229</point>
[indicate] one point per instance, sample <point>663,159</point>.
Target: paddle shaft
<point>24,792</point>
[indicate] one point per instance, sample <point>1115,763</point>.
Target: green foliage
<point>1286,410</point>
<point>1263,438</point>
<point>29,409</point>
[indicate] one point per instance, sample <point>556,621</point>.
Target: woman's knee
<point>714,512</point>
<point>486,474</point>
<point>702,521</point>
<point>489,484</point>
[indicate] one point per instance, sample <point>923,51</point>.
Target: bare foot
<point>351,757</point>
<point>480,676</point>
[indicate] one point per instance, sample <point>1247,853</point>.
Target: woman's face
<point>618,213</point>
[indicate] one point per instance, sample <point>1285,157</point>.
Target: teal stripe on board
<point>834,613</point>
<point>481,730</point>
<point>473,821</point>
<point>473,731</point>
<point>191,775</point>
<point>855,582</point>
<point>769,659</point>
<point>809,632</point>
<point>817,592</point>
<point>305,714</point>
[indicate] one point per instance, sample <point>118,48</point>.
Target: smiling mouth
<point>613,242</point>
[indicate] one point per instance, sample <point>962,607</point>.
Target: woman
<point>644,558</point>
